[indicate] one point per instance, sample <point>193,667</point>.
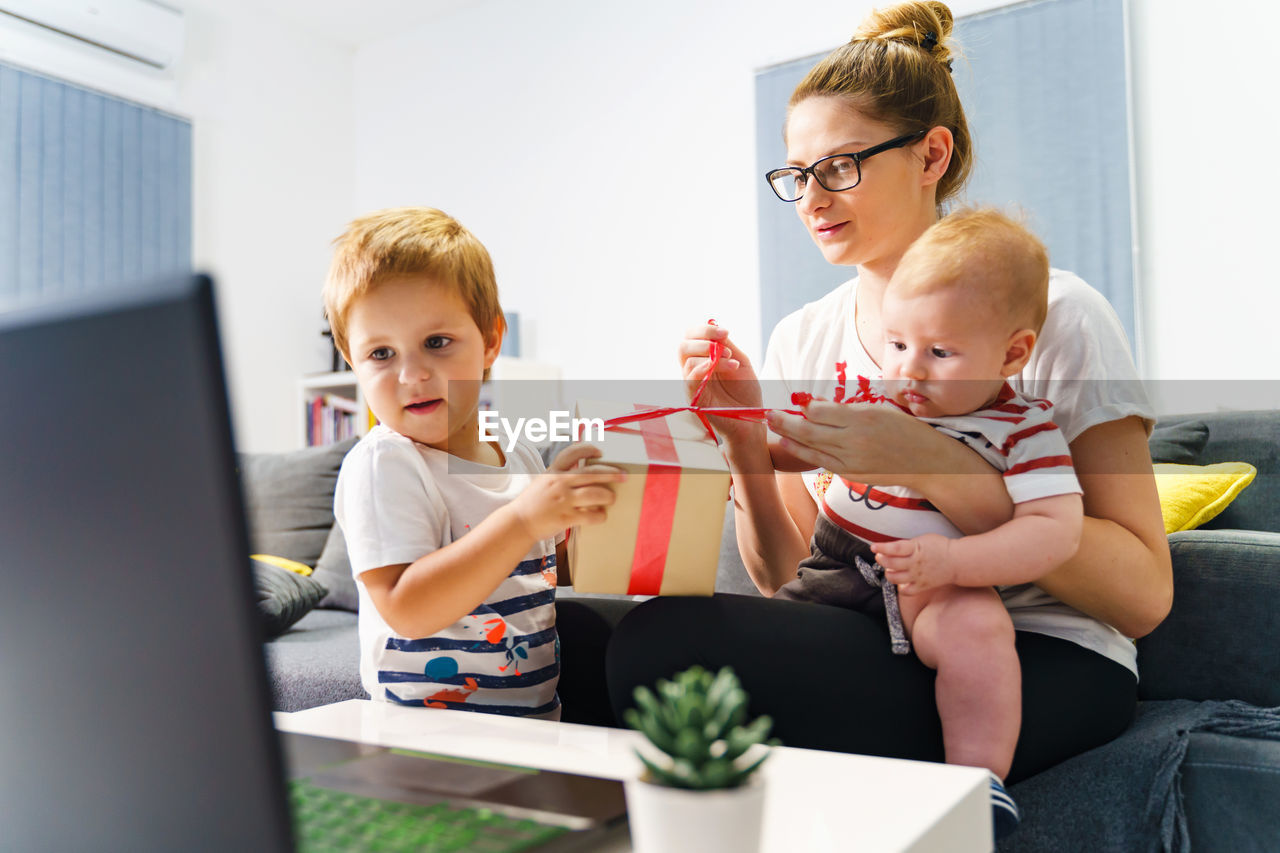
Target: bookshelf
<point>332,408</point>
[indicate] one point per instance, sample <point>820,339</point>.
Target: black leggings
<point>828,679</point>
<point>584,634</point>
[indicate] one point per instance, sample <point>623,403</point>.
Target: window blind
<point>94,190</point>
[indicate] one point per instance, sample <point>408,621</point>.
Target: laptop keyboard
<point>328,820</point>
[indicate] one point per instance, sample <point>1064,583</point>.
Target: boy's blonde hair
<point>996,259</point>
<point>410,241</point>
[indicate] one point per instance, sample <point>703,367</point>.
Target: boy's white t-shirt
<point>397,500</point>
<point>1081,363</point>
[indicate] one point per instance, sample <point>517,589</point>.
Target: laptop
<point>134,702</point>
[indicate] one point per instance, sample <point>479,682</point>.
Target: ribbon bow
<point>742,413</point>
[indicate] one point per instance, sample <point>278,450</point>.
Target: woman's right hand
<point>734,382</point>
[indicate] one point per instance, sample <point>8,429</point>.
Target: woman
<point>825,674</point>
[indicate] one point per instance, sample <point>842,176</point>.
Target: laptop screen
<point>133,695</point>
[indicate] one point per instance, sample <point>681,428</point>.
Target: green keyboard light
<point>326,820</point>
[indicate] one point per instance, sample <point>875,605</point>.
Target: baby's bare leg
<point>965,634</point>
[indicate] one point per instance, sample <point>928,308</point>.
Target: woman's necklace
<point>867,327</point>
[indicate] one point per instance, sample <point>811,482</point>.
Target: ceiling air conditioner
<point>140,30</point>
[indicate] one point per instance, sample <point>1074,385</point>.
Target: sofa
<point>1198,769</point>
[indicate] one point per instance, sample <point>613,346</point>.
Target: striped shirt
<point>396,501</point>
<point>1016,436</point>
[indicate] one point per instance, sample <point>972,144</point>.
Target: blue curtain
<point>94,191</point>
<point>1044,89</point>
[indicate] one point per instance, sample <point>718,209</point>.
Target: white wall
<point>1205,124</point>
<point>274,181</point>
<point>605,153</point>
<point>273,171</point>
<point>577,139</point>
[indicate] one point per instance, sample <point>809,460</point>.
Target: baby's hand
<point>567,495</point>
<point>918,564</point>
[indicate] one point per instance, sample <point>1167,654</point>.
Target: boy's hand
<point>918,564</point>
<point>567,495</point>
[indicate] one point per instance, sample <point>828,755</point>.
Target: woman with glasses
<point>876,143</point>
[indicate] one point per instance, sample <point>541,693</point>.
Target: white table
<point>815,800</point>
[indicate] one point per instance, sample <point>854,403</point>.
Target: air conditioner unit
<point>139,30</point>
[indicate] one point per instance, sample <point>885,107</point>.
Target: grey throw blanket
<point>1126,795</point>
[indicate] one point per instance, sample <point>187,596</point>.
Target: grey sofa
<point>1200,767</point>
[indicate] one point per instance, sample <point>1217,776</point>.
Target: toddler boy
<point>455,545</point>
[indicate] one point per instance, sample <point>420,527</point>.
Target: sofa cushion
<point>1178,442</point>
<point>1252,437</point>
<point>333,569</point>
<point>1219,640</point>
<point>284,596</point>
<point>316,662</point>
<point>289,499</point>
<point>1191,495</point>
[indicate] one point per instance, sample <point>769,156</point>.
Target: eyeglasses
<point>836,173</point>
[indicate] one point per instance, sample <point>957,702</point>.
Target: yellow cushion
<point>1190,495</point>
<point>284,563</point>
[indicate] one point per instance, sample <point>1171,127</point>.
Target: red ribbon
<point>741,413</point>
<point>657,509</point>
<point>662,478</point>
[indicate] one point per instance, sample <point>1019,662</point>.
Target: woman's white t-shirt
<point>1081,363</point>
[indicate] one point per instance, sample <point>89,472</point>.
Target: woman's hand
<point>864,442</point>
<point>734,382</point>
<point>883,445</point>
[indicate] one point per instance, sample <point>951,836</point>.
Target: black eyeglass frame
<point>856,156</point>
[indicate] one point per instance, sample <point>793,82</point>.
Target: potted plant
<point>698,792</point>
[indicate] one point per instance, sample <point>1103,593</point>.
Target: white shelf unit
<point>341,409</point>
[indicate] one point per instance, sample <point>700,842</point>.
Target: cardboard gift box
<point>662,535</point>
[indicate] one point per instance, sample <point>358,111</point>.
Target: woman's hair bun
<point>926,24</point>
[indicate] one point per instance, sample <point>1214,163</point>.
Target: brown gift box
<point>662,534</point>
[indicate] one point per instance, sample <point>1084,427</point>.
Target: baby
<point>961,315</point>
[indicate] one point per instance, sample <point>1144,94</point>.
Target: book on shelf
<point>330,418</point>
<point>345,404</point>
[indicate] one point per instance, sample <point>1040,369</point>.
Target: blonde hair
<point>410,241</point>
<point>897,69</point>
<point>994,257</point>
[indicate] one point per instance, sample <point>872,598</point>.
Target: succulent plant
<point>699,721</point>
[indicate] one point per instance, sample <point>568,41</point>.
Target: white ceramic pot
<point>679,820</point>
